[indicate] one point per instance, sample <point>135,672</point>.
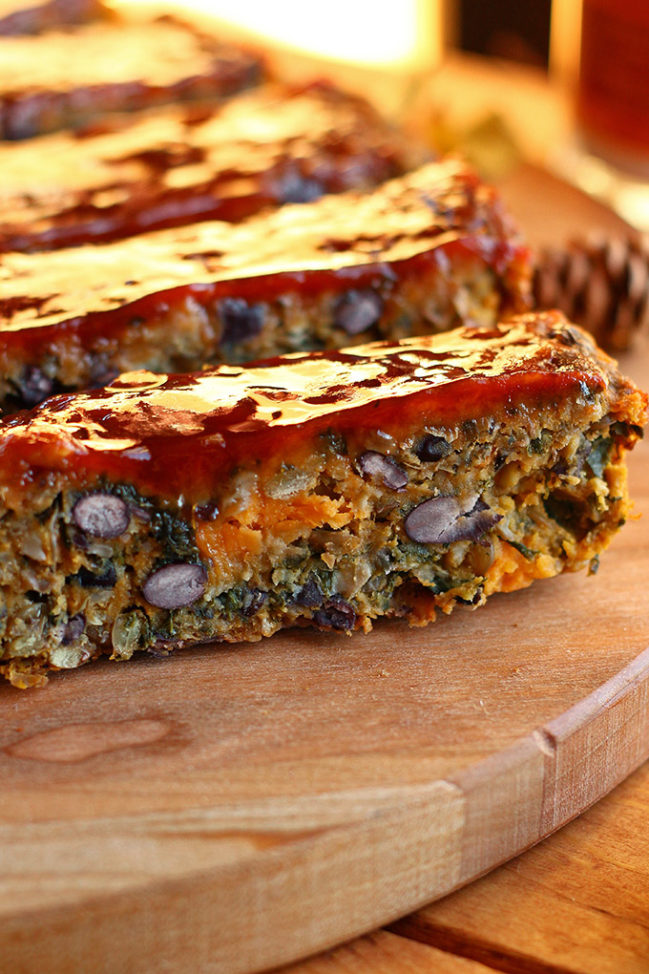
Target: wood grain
<point>235,809</point>
<point>576,904</point>
<point>386,953</point>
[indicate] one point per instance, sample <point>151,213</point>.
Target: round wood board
<point>236,808</point>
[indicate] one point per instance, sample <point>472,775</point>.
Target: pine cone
<point>601,284</point>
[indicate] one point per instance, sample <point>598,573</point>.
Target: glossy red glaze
<point>182,163</point>
<point>178,436</point>
<point>408,225</point>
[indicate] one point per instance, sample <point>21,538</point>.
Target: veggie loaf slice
<point>183,163</point>
<point>323,490</point>
<point>424,252</point>
<point>65,79</point>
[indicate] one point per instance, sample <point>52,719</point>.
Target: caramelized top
<point>337,242</point>
<point>132,173</point>
<point>178,436</point>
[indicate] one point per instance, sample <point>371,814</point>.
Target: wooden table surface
<point>577,903</point>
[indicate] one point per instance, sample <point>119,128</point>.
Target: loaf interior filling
<point>348,528</point>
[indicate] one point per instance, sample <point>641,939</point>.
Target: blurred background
<point>463,73</point>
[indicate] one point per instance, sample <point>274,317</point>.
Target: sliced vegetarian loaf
<point>65,79</point>
<point>323,490</point>
<point>425,252</point>
<point>182,163</point>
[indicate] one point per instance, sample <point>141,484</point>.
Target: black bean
<point>240,320</point>
<point>253,601</point>
<point>472,525</point>
<point>101,375</point>
<point>374,464</point>
<point>34,386</point>
<point>358,310</point>
<point>296,188</point>
<point>101,515</point>
<point>206,512</point>
<point>74,628</point>
<point>174,586</point>
<point>429,521</point>
<point>310,595</point>
<point>433,448</point>
<point>79,540</point>
<point>336,613</point>
<point>443,520</point>
<point>87,579</point>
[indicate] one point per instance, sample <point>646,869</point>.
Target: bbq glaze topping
<point>339,243</point>
<point>271,145</point>
<point>176,435</point>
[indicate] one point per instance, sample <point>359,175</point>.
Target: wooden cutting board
<point>233,809</point>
